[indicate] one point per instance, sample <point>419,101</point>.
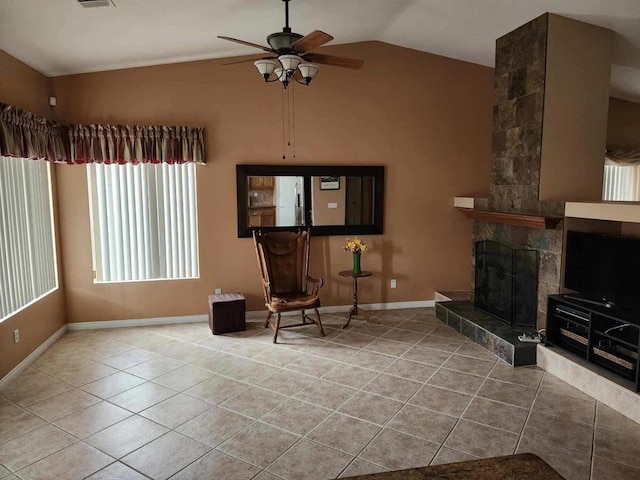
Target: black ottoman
<point>226,313</point>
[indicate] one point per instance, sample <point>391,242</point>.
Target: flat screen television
<point>604,269</point>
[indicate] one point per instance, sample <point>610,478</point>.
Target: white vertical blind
<point>144,221</point>
<point>621,183</point>
<point>28,267</point>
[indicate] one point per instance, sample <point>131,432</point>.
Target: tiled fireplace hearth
<point>487,331</point>
<point>504,302</point>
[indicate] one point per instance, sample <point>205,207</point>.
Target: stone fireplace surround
<point>519,83</point>
<point>515,188</point>
<point>538,71</point>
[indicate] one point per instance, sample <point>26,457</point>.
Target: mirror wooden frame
<point>308,171</point>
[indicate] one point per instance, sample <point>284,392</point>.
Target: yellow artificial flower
<point>355,245</point>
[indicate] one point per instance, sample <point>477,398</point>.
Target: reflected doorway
<point>289,201</point>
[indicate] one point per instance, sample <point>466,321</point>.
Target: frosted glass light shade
<point>265,67</point>
<point>282,75</point>
<point>308,71</point>
<point>289,62</point>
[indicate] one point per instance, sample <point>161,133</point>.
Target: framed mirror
<point>331,200</point>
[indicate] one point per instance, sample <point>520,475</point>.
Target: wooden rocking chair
<point>283,258</point>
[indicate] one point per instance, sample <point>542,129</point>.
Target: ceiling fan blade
<point>246,60</point>
<point>353,63</point>
<point>255,45</point>
<point>311,41</point>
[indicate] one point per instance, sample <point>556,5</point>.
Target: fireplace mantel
<point>518,219</point>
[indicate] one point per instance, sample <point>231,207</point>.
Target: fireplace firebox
<point>506,282</point>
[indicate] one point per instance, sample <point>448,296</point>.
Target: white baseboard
<point>251,315</point>
<point>398,305</point>
<point>139,322</point>
<point>345,308</point>
<point>23,365</point>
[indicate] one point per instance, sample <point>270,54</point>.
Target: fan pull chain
<point>293,115</point>
<point>283,136</point>
<point>289,117</point>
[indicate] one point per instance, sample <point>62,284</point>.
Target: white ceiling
<point>59,37</point>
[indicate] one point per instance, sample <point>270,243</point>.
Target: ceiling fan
<point>293,51</point>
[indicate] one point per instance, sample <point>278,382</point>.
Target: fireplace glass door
<point>506,282</point>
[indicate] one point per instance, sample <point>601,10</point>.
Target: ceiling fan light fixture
<point>282,75</point>
<point>308,71</point>
<point>294,53</point>
<point>282,41</point>
<point>266,67</point>
<point>290,62</point>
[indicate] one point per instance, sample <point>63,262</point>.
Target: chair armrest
<point>316,284</point>
<point>266,287</point>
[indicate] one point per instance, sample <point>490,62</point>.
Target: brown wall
<point>575,110</point>
<point>23,87</point>
<point>427,118</point>
<point>322,214</point>
<point>623,129</point>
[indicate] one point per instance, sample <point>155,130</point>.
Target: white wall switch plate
<point>332,205</point>
<point>16,335</point>
<point>218,291</point>
<point>393,283</point>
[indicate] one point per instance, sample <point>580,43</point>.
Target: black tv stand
<point>597,332</point>
<point>602,303</point>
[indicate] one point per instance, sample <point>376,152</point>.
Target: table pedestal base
<point>356,310</point>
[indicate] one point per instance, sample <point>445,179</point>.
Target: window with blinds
<point>144,221</point>
<point>28,269</point>
<point>621,183</point>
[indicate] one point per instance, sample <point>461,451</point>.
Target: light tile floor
<point>177,402</point>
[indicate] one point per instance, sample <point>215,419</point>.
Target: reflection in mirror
<point>622,158</point>
<point>331,200</point>
<point>342,200</point>
<point>289,201</point>
<point>275,201</point>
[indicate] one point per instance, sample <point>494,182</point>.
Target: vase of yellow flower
<point>356,247</point>
<point>356,263</point>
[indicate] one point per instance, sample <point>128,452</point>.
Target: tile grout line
<point>311,354</point>
<point>529,413</point>
<point>250,385</point>
<point>593,443</point>
<point>305,436</point>
<point>258,420</point>
<point>335,410</point>
<point>151,380</point>
<point>396,414</point>
<point>462,414</point>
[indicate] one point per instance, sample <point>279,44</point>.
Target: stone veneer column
<point>549,130</point>
<point>518,112</point>
<point>517,118</point>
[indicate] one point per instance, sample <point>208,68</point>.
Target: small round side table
<point>355,309</point>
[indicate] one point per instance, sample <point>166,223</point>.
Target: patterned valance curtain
<point>25,135</point>
<point>622,156</point>
<point>122,144</point>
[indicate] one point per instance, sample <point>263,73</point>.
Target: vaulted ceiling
<point>59,37</point>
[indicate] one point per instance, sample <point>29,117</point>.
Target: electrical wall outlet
<point>393,283</point>
<point>218,291</point>
<point>16,335</point>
